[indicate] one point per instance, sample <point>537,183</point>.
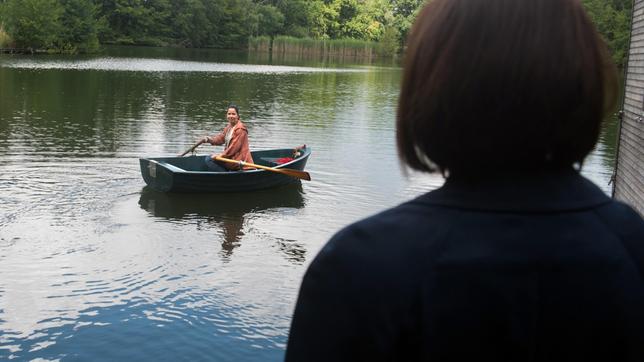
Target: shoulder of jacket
<point>621,217</point>
<point>403,221</point>
<point>240,127</point>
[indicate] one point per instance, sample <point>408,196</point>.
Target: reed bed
<point>307,48</point>
<point>5,39</point>
<point>259,44</point>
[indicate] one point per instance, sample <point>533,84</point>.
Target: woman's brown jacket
<point>238,147</point>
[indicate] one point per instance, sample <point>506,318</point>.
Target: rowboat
<point>190,174</point>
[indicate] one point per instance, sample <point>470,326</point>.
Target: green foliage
<point>79,31</point>
<point>612,18</point>
<point>389,44</point>
<point>33,23</point>
<point>191,26</point>
<point>296,16</point>
<point>234,31</point>
<point>405,12</point>
<point>270,21</point>
<point>79,25</point>
<point>67,26</point>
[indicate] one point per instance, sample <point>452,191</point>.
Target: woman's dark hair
<point>233,106</point>
<point>512,84</point>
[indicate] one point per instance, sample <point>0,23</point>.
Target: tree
<point>234,30</point>
<point>33,24</point>
<point>296,20</point>
<point>79,26</point>
<point>405,12</point>
<point>320,16</point>
<point>161,13</point>
<point>270,20</point>
<point>190,23</point>
<point>612,19</point>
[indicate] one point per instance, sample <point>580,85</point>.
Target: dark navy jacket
<point>543,268</point>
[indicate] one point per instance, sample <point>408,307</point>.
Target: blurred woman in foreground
<point>517,257</point>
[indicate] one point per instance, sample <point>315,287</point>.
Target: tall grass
<point>259,43</point>
<point>309,48</point>
<point>5,39</point>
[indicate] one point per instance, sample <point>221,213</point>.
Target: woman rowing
<point>234,137</point>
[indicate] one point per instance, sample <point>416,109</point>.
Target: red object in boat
<point>282,160</point>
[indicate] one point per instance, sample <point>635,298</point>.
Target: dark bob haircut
<point>514,85</point>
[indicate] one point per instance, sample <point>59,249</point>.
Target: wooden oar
<point>191,149</point>
<point>285,171</point>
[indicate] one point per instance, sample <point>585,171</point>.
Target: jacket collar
<point>564,190</point>
<point>238,125</point>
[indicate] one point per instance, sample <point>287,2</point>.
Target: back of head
<point>515,85</point>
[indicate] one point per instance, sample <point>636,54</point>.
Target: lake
<point>95,266</point>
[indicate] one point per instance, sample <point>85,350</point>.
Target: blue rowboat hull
<point>190,174</point>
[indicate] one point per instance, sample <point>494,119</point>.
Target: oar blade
<point>284,171</point>
<point>295,173</point>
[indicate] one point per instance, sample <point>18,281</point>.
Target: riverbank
<point>22,51</point>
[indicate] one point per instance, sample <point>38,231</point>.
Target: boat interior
<point>269,158</point>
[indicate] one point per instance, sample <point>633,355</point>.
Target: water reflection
<point>161,65</point>
<point>227,213</point>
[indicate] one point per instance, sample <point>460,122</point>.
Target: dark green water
<point>94,266</point>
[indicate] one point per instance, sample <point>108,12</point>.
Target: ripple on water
<point>63,190</point>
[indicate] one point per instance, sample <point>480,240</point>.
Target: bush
<point>33,24</point>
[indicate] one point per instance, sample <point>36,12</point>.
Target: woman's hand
<point>204,139</point>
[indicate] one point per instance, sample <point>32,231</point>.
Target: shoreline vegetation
<point>365,29</point>
<point>308,48</point>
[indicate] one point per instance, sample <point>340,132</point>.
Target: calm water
<point>93,265</point>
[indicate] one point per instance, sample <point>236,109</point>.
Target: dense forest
<point>82,25</point>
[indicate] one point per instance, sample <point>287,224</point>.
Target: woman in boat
<point>234,137</point>
<point>517,257</point>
